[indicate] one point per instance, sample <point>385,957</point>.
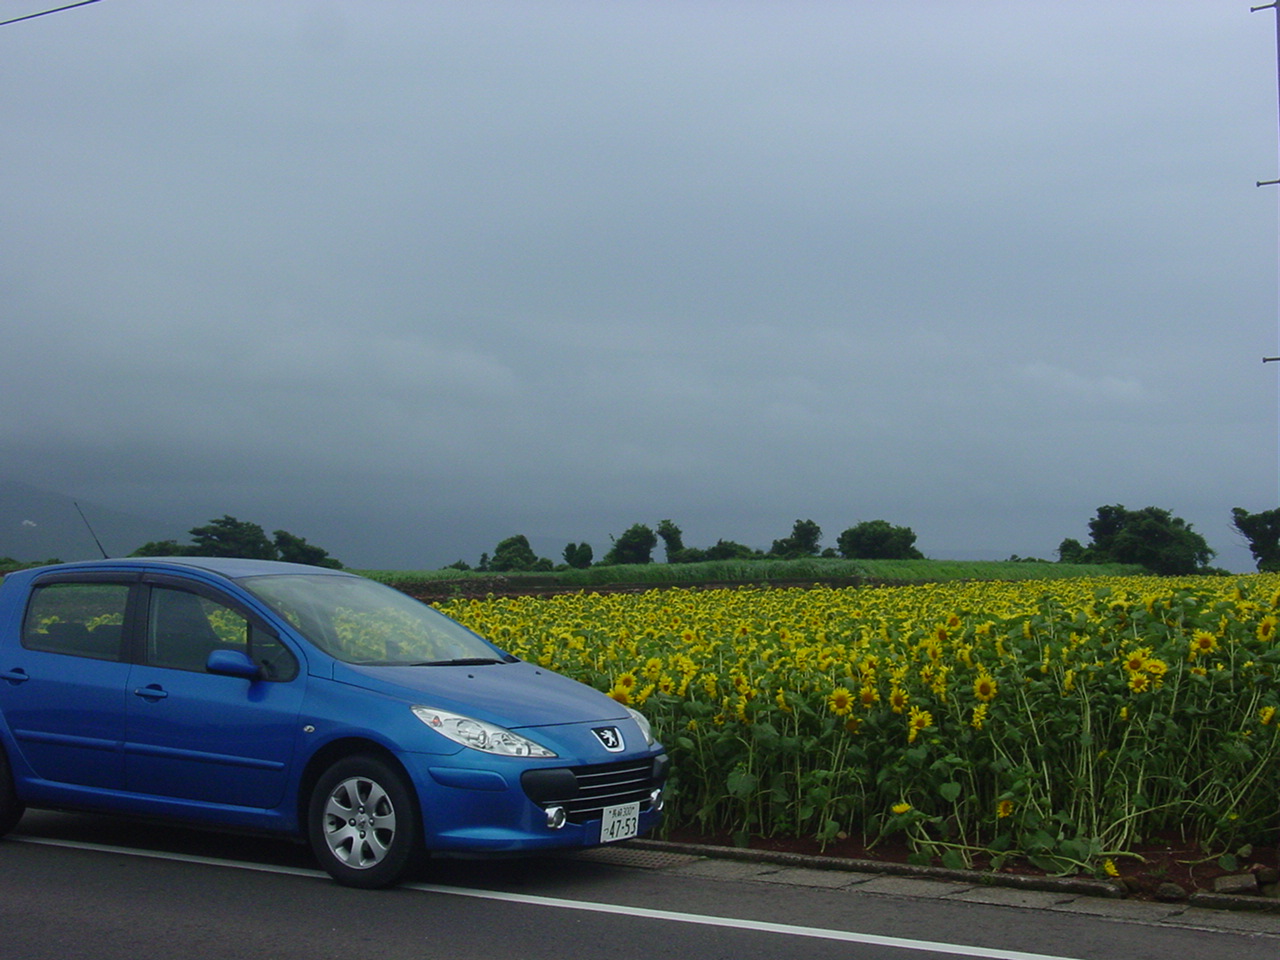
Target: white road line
<point>161,855</point>
<point>759,926</point>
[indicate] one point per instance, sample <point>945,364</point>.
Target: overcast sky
<point>406,278</point>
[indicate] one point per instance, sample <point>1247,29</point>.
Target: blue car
<point>257,695</point>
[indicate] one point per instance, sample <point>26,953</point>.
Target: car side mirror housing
<point>233,663</point>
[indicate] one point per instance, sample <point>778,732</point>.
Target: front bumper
<point>504,806</point>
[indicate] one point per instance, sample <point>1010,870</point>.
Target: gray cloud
<point>407,278</point>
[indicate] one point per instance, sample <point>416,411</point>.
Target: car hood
<point>513,695</point>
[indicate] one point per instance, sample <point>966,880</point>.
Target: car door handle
<point>15,676</point>
<point>152,691</point>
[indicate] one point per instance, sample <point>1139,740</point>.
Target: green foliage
<point>730,550</point>
<point>809,570</point>
<point>229,537</point>
<point>294,549</point>
<point>9,565</point>
<point>677,552</point>
<point>878,540</point>
<point>162,548</point>
<point>634,546</point>
<point>1262,530</point>
<point>1063,724</point>
<point>1150,537</point>
<point>803,542</point>
<point>513,553</point>
<point>578,555</point>
<point>673,540</point>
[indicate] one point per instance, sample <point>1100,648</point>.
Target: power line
<point>45,13</point>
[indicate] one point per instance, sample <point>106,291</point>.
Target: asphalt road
<point>94,887</point>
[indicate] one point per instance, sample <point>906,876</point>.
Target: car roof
<point>232,568</point>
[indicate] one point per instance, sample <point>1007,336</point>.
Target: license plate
<point>620,823</point>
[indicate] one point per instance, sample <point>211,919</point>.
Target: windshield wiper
<point>458,662</point>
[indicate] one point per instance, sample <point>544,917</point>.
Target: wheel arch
<point>340,749</point>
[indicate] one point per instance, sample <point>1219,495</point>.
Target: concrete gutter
<point>1072,886</point>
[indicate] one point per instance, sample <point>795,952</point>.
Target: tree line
<point>229,537</point>
<point>1151,537</point>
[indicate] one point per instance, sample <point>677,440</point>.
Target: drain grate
<point>630,857</point>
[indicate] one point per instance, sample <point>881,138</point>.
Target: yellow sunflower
<point>985,687</point>
<point>840,702</point>
<point>918,720</point>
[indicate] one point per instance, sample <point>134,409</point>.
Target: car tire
<point>11,808</point>
<point>363,823</point>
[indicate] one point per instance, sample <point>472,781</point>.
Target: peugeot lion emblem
<point>611,737</point>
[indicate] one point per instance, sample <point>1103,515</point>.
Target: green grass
<point>812,570</point>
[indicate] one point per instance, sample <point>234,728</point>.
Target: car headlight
<point>645,726</point>
<point>479,735</point>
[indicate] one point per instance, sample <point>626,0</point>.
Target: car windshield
<point>361,621</point>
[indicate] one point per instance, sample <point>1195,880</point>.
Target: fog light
<point>555,817</point>
<point>656,801</point>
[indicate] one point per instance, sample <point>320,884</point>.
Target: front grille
<point>584,792</point>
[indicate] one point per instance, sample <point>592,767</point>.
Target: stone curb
<point>978,878</point>
<point>1227,901</point>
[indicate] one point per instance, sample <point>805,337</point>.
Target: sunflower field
<point>1062,721</point>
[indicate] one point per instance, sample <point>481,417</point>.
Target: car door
<point>195,735</point>
<point>62,688</point>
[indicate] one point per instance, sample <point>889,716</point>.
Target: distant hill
<point>40,524</point>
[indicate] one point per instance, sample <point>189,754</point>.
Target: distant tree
<point>1262,530</point>
<point>578,555</point>
<point>513,554</point>
<point>1150,537</point>
<point>9,565</point>
<point>730,550</point>
<point>294,549</point>
<point>803,542</point>
<point>229,537</point>
<point>635,545</point>
<point>483,565</point>
<point>1071,550</point>
<point>161,548</point>
<point>458,564</point>
<point>672,540</point>
<point>878,540</point>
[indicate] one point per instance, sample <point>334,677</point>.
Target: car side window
<point>184,628</point>
<point>81,619</point>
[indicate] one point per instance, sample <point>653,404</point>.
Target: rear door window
<point>81,619</point>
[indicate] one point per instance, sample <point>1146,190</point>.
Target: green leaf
<point>766,734</point>
<point>949,791</point>
<point>828,832</point>
<point>1050,865</point>
<point>740,783</point>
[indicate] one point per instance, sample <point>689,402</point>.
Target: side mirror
<point>233,663</point>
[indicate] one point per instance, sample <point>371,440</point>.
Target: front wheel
<point>363,824</point>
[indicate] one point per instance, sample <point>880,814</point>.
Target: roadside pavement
<point>1101,898</point>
